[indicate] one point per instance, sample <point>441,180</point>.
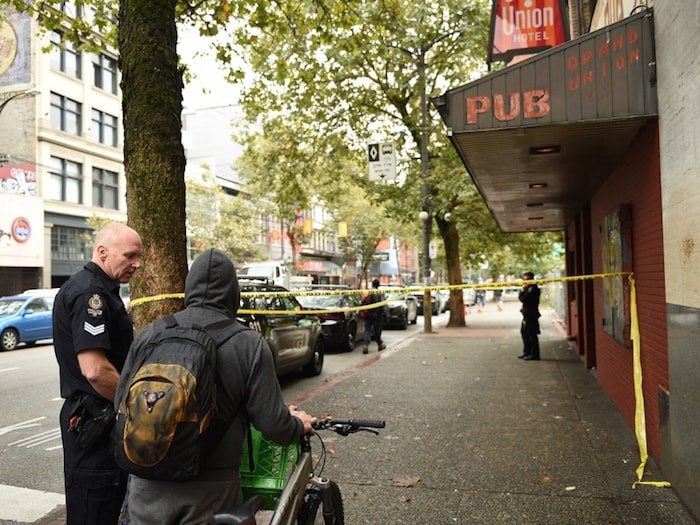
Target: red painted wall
<point>635,182</point>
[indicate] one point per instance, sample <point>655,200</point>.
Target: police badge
<point>95,305</point>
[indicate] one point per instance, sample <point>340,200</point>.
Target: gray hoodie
<point>246,369</point>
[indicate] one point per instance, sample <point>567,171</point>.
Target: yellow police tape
<point>639,416</point>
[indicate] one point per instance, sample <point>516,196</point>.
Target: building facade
<point>62,151</point>
<point>598,137</point>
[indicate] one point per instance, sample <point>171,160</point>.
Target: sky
<point>210,107</point>
<point>209,87</point>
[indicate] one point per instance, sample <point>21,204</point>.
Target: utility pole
<point>425,214</point>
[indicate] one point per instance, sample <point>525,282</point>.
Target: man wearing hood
<point>246,371</point>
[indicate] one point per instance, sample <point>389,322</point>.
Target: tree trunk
<point>450,237</point>
<point>154,158</point>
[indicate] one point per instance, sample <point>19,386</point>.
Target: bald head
<point>118,250</point>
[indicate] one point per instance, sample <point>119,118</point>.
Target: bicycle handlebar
<point>349,426</point>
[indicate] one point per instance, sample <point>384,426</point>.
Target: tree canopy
<point>321,78</point>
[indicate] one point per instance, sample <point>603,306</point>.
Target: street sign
<point>382,161</point>
<point>432,250</point>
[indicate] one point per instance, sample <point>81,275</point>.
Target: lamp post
<point>425,215</point>
<point>26,93</point>
<point>4,157</point>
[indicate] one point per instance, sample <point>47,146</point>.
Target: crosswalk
<point>52,438</point>
<point>20,504</point>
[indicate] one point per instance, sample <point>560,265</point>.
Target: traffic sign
<point>432,250</point>
<point>382,161</point>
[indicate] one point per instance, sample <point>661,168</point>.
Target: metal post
<point>428,221</point>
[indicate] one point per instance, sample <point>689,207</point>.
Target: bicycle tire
<point>311,512</point>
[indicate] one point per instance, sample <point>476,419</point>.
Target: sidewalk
<point>476,436</point>
<point>481,437</point>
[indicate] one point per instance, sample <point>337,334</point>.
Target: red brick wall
<point>636,182</point>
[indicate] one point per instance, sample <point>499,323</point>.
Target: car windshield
<point>10,306</point>
<point>320,301</point>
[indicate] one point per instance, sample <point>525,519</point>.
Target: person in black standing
<point>92,334</point>
<point>373,321</point>
<point>529,330</point>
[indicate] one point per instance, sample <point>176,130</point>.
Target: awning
<point>318,267</point>
<point>539,137</point>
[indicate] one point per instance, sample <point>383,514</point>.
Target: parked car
<point>25,318</point>
<point>443,300</point>
<point>434,302</point>
<point>401,308</point>
<point>341,329</point>
<point>297,340</point>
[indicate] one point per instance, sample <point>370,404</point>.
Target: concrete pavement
<point>476,436</point>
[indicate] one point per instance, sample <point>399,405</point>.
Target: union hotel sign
<point>606,74</point>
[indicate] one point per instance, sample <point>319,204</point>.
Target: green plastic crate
<point>272,463</point>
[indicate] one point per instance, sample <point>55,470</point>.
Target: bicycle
<point>306,498</point>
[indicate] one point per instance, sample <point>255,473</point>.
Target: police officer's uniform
<point>89,314</point>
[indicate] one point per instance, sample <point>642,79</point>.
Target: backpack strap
<point>221,331</point>
<point>170,321</point>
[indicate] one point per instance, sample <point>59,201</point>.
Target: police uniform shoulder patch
<point>95,305</point>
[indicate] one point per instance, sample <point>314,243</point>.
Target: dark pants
<point>373,330</point>
<point>95,486</point>
<point>529,331</point>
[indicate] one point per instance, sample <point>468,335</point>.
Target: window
<point>66,178</point>
<point>71,9</point>
<point>38,305</point>
<point>104,128</point>
<point>105,70</point>
<point>105,189</point>
<point>64,56</point>
<point>66,114</point>
<point>71,244</point>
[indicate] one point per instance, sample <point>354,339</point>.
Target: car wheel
<point>9,339</point>
<point>315,364</point>
<point>352,333</point>
<point>404,322</point>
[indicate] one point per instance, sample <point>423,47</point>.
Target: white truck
<point>277,272</point>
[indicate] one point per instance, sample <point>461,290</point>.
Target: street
<point>30,440</point>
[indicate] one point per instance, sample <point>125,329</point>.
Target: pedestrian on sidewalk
<point>374,320</point>
<point>530,328</point>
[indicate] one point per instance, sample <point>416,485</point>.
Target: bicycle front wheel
<point>322,506</point>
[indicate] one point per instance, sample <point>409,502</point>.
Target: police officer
<point>530,328</point>
<point>92,334</point>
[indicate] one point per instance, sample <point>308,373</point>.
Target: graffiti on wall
<point>616,240</point>
<point>18,178</point>
<point>15,50</point>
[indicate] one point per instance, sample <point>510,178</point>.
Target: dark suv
<point>296,339</point>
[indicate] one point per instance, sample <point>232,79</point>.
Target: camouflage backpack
<point>169,413</point>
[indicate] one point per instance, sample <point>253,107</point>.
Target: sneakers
<point>381,347</point>
<point>365,349</point>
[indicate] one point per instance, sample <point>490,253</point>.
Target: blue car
<point>25,319</point>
